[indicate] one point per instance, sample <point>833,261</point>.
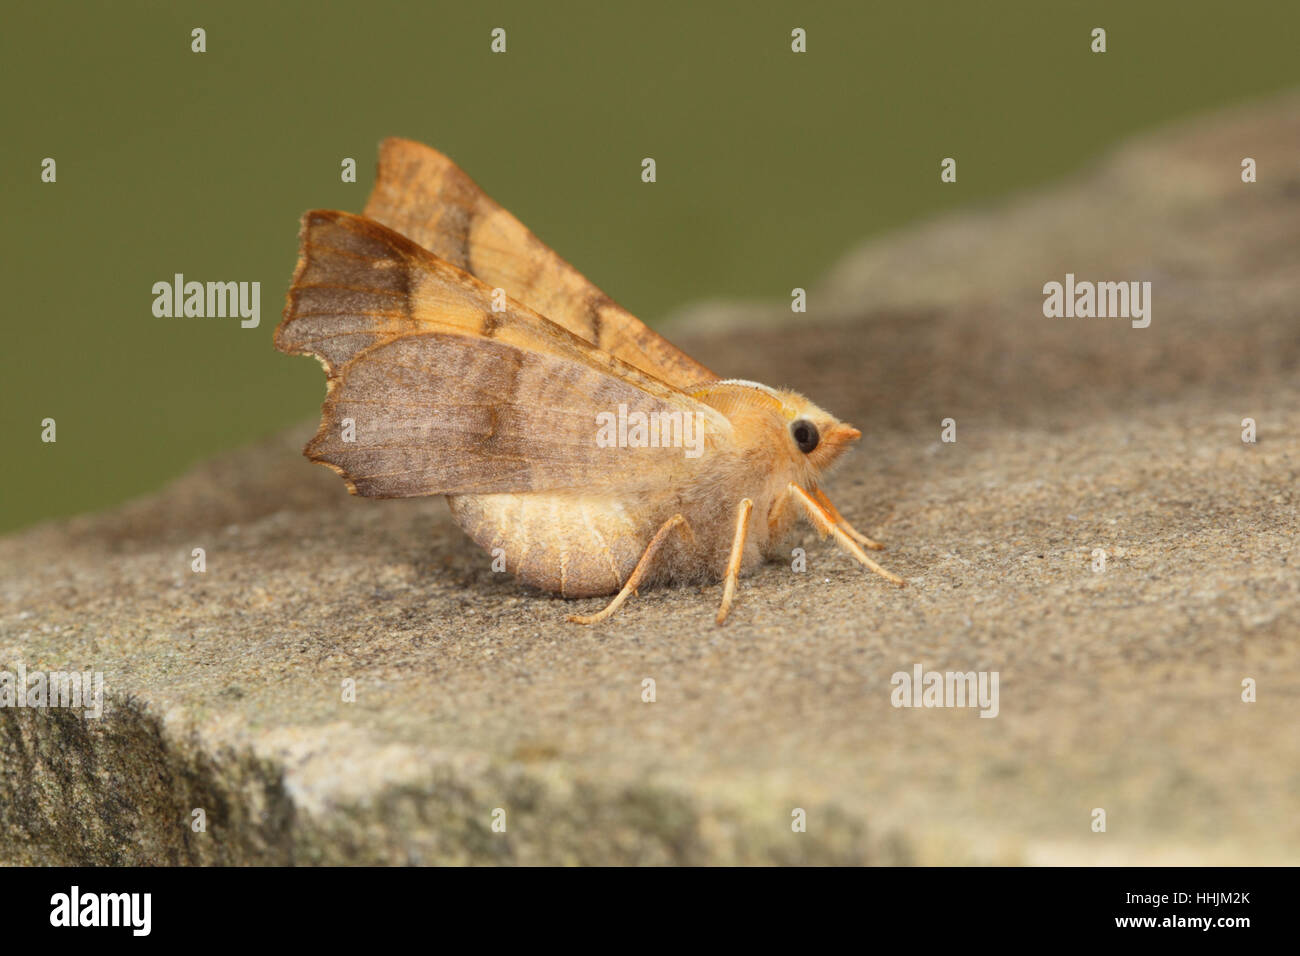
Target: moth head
<point>816,434</point>
<point>809,439</point>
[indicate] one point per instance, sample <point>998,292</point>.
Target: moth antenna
<point>825,525</point>
<point>638,573</point>
<point>843,522</point>
<point>737,553</point>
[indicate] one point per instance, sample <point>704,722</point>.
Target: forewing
<point>422,194</point>
<point>431,391</point>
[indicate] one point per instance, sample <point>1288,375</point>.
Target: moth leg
<point>638,573</point>
<point>843,522</point>
<point>737,552</point>
<point>774,514</point>
<point>825,525</point>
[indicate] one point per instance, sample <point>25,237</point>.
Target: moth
<point>465,358</point>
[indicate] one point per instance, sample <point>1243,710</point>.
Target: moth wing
<point>425,196</point>
<point>431,391</point>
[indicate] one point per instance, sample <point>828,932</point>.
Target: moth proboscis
<point>475,363</point>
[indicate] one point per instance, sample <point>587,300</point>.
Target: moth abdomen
<point>571,545</point>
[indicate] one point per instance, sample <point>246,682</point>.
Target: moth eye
<point>805,435</point>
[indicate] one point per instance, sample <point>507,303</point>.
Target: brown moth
<point>475,363</point>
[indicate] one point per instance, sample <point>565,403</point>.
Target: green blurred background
<point>770,165</point>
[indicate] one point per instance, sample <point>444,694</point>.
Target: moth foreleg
<point>639,572</point>
<point>737,553</point>
<point>826,525</point>
<point>843,522</point>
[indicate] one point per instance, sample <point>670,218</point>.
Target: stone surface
<point>1119,690</point>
